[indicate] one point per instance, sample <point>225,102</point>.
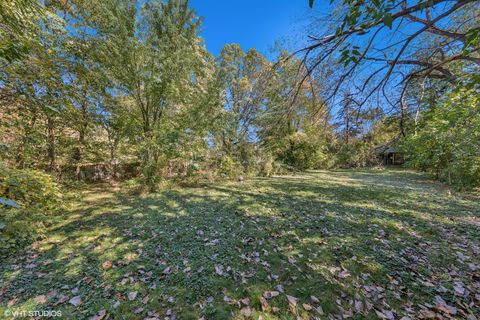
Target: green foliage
<point>21,24</point>
<point>29,198</point>
<point>229,168</point>
<point>267,169</point>
<point>446,141</point>
<point>299,152</point>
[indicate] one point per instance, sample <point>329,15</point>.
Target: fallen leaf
<point>219,269</point>
<point>76,301</point>
<point>427,314</point>
<point>307,307</point>
<point>41,299</point>
<point>61,299</point>
<point>132,295</point>
<point>107,265</point>
<point>270,294</point>
<point>100,316</point>
<point>443,306</point>
<point>319,310</point>
<point>459,289</point>
<point>12,302</point>
<point>246,312</point>
<point>292,303</point>
<point>167,270</point>
<point>359,306</point>
<point>265,305</point>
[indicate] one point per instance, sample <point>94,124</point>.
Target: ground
<point>360,244</point>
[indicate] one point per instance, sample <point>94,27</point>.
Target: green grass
<point>381,240</point>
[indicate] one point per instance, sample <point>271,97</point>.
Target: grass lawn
<point>326,245</point>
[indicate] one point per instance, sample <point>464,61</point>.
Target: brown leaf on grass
<point>219,269</point>
<point>52,294</point>
<point>61,299</point>
<point>245,301</point>
<point>385,314</point>
<point>76,301</point>
<point>444,307</point>
<point>292,303</point>
<point>138,310</point>
<point>100,316</point>
<point>427,314</point>
<point>458,289</point>
<point>265,305</point>
<point>107,265</point>
<point>307,307</point>
<point>279,288</point>
<point>12,302</point>
<point>270,294</point>
<point>229,300</point>
<point>132,295</point>
<point>319,310</point>
<point>41,299</point>
<point>344,274</point>
<point>359,306</point>
<point>246,312</point>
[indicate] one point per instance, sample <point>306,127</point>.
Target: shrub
<point>447,140</point>
<point>267,167</point>
<point>299,151</point>
<point>229,168</point>
<point>29,198</point>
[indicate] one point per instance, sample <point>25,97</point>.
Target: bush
<point>302,152</point>
<point>267,167</point>
<point>446,142</point>
<point>29,198</point>
<point>229,168</point>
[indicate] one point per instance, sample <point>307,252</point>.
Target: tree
<point>384,46</point>
<point>157,61</point>
<point>242,77</point>
<point>22,25</point>
<point>446,140</point>
<point>294,126</point>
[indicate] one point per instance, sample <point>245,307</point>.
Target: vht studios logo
<point>32,313</point>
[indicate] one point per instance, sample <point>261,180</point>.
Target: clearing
<point>366,244</point>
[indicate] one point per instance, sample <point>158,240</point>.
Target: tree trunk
<point>20,159</point>
<point>51,153</point>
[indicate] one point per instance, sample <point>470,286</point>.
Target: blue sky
<point>250,23</point>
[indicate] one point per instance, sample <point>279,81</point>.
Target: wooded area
<point>126,92</point>
<point>85,84</point>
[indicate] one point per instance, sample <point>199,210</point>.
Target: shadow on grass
<point>330,235</point>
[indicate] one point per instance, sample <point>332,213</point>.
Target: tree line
<point>128,89</point>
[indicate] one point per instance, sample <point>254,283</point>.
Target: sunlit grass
<point>187,251</point>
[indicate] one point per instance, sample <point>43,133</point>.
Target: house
<point>389,155</point>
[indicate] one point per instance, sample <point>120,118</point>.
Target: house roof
<point>385,149</point>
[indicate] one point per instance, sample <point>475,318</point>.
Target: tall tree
<point>156,59</point>
<point>243,77</point>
